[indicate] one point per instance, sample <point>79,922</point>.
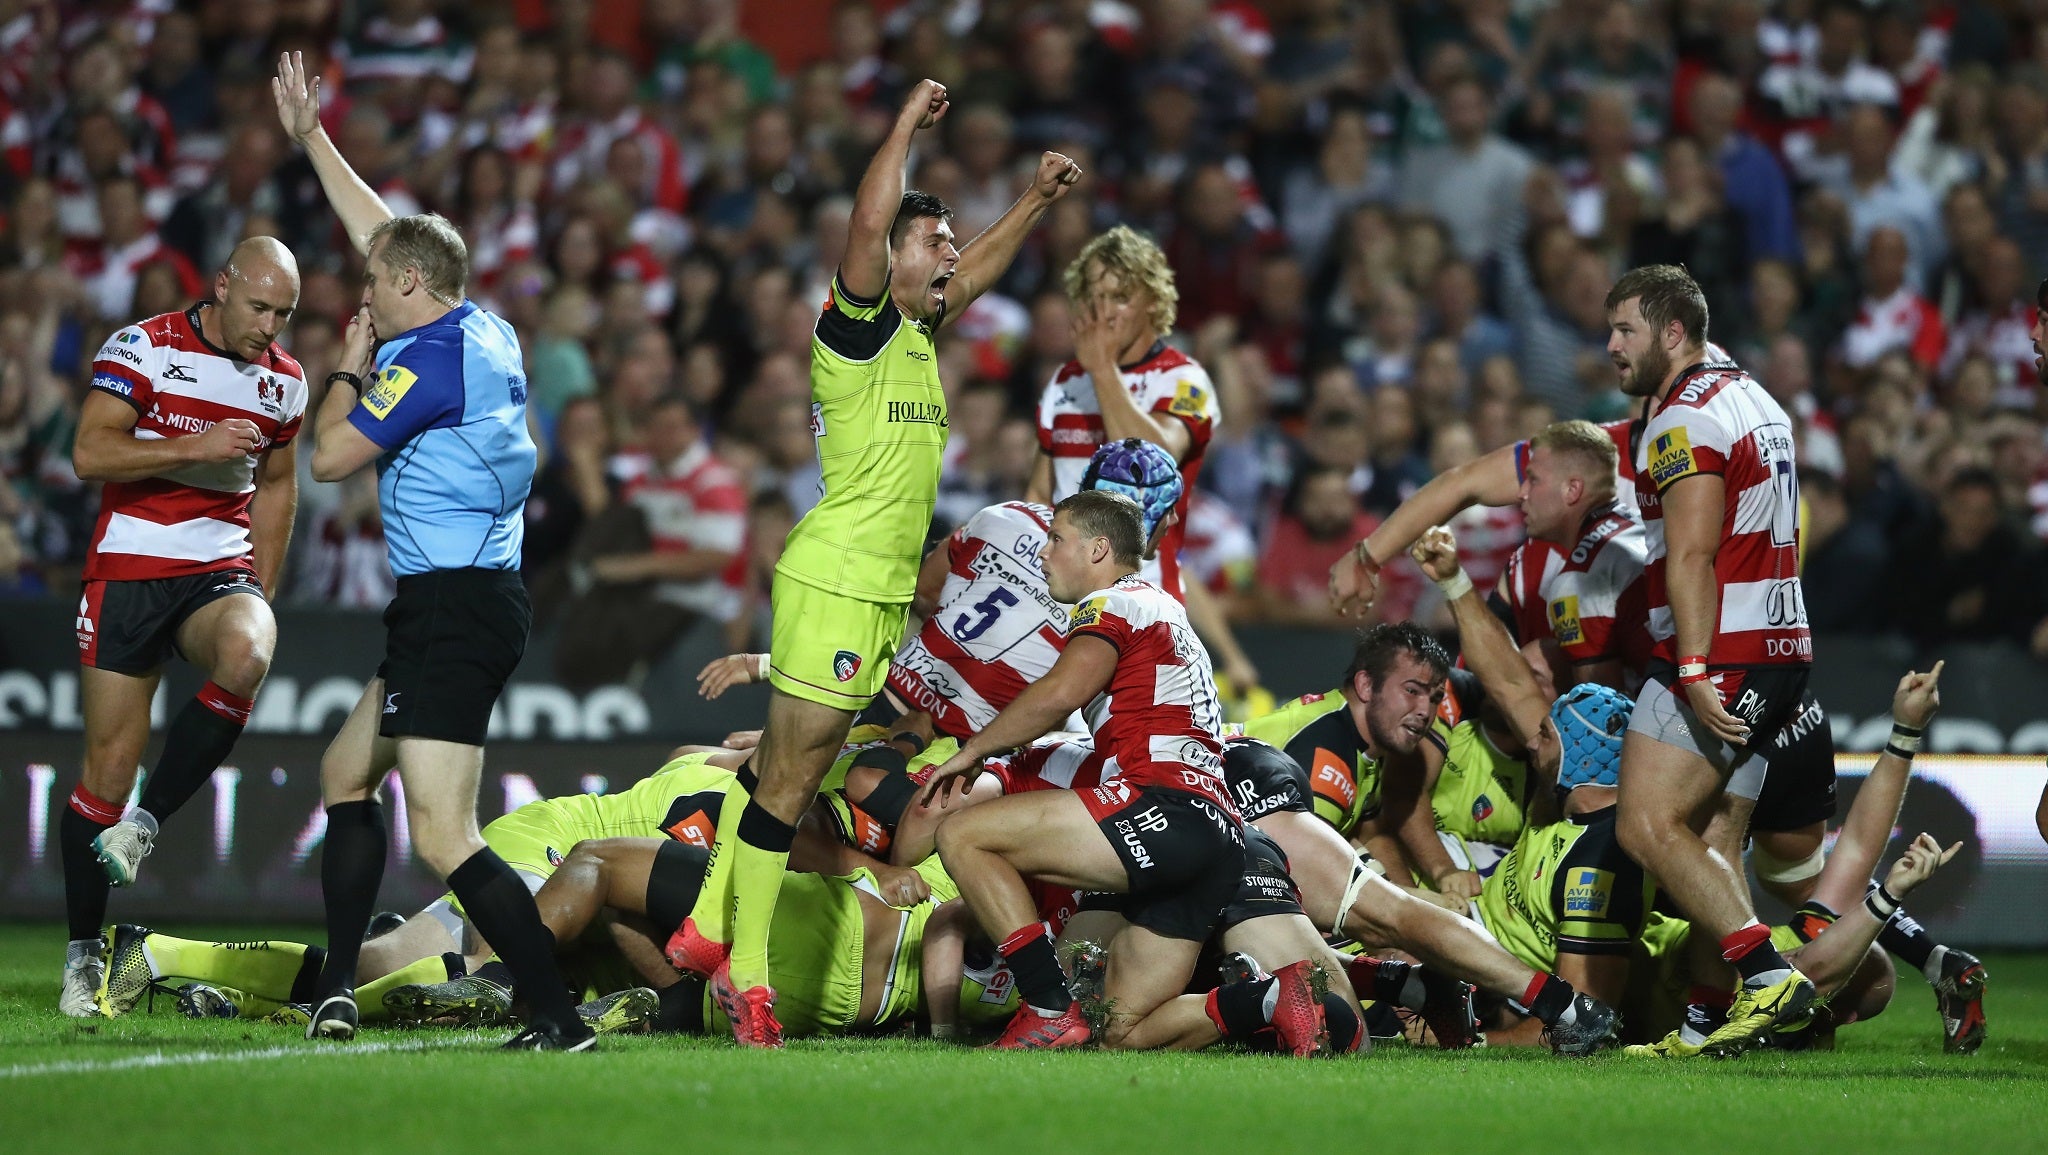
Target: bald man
<point>190,424</point>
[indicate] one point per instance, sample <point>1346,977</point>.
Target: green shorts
<point>828,648</point>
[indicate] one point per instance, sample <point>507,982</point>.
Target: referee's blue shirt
<point>448,407</point>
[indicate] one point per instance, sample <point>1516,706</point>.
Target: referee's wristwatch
<point>354,382</point>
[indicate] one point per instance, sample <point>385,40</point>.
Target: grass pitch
<point>157,1084</point>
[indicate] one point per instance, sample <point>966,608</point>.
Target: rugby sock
<point>1903,936</point>
<point>1242,1010</point>
<point>351,869</point>
<point>1030,957</point>
<point>85,880</point>
<point>1344,1025</point>
<point>495,971</point>
<point>1751,951</point>
<point>682,1006</point>
<point>198,741</point>
<point>1549,998</point>
<point>760,861</point>
<point>268,970</point>
<point>1386,980</point>
<point>434,969</point>
<point>711,914</point>
<point>504,914</point>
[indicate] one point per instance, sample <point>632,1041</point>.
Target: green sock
<point>264,970</point>
<point>370,996</point>
<point>760,861</point>
<point>712,912</point>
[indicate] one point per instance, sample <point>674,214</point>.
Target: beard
<point>1647,372</point>
<point>1388,735</point>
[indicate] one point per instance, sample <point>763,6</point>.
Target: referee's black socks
<point>504,913</point>
<point>351,869</point>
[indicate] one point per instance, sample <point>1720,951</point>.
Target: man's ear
<point>1574,489</point>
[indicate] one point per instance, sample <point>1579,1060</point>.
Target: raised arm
<point>1489,652</point>
<point>864,270</point>
<point>1492,480</point>
<point>298,107</point>
<point>1867,828</point>
<point>984,259</point>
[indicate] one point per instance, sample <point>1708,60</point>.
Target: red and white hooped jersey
<point>1051,763</point>
<point>1159,722</point>
<point>1070,429</point>
<point>996,630</point>
<point>1718,420</point>
<point>1591,601</point>
<point>193,518</point>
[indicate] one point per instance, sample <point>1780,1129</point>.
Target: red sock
<point>233,707</point>
<point>1720,998</point>
<point>94,808</point>
<point>1737,946</point>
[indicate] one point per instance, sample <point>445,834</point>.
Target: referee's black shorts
<point>451,640</point>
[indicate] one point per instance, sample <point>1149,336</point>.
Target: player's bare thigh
<point>1047,835</point>
<point>1318,859</point>
<point>1663,786</point>
<point>116,710</point>
<point>917,832</point>
<point>422,936</point>
<point>1146,971</point>
<point>797,747</point>
<point>232,639</point>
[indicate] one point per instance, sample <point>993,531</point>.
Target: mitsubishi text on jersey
<point>1166,383</point>
<point>1717,420</point>
<point>448,407</point>
<point>192,518</point>
<point>1159,722</point>
<point>996,630</point>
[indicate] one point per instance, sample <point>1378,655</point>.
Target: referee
<point>442,411</point>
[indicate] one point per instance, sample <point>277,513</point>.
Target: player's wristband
<point>1904,742</point>
<point>909,739</point>
<point>1881,903</point>
<point>1456,586</point>
<point>354,382</point>
<point>1692,669</point>
<point>1365,558</point>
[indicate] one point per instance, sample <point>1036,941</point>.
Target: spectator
<point>1999,325</point>
<point>1950,139</point>
<point>668,553</point>
<point>1456,315</point>
<point>1752,181</point>
<point>1343,177</point>
<point>1397,467</point>
<point>1965,575</point>
<point>1694,229</point>
<point>1215,248</point>
<point>1892,315</point>
<point>573,487</point>
<point>1563,330</point>
<point>1473,181</point>
<point>128,241</point>
<point>1845,572</point>
<point>1804,95</point>
<point>1319,521</point>
<point>1880,196</point>
<point>205,226</point>
<point>1612,55</point>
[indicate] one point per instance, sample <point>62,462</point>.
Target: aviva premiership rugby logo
<point>845,664</point>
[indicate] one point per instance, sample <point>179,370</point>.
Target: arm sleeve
<point>1599,895</point>
<point>1097,616</point>
<point>1684,442</point>
<point>419,388</point>
<point>1189,397</point>
<point>126,367</point>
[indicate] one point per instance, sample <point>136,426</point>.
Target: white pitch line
<point>195,1058</point>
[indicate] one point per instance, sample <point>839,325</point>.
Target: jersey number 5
<point>990,608</point>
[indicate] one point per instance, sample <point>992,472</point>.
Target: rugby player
<point>1719,491</point>
<point>191,422</point>
<point>1474,773</point>
<point>1126,382</point>
<point>1160,829</point>
<point>436,965</point>
<point>849,571</point>
<point>1830,936</point>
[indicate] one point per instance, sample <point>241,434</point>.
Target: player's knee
<point>1641,832</point>
<point>444,850</point>
<point>241,662</point>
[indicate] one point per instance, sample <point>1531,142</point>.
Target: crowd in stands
<point>1393,224</point>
